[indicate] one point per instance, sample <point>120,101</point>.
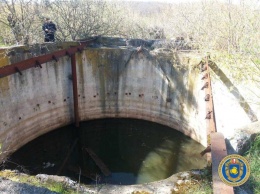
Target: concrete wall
<point>237,104</point>
<point>116,81</point>
<point>112,82</point>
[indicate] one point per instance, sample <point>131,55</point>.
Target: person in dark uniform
<point>49,29</point>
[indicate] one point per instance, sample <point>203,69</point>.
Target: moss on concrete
<point>32,180</point>
<point>4,83</point>
<point>3,58</point>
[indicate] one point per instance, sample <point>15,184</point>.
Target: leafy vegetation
<point>230,32</point>
<point>253,156</point>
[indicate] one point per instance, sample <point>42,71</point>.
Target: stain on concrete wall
<point>113,82</point>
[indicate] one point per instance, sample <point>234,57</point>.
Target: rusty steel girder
<point>210,114</point>
<point>75,89</point>
<point>39,60</point>
<point>218,152</point>
<point>216,149</point>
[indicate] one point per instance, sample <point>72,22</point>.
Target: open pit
<point>147,83</point>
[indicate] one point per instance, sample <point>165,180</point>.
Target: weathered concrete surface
<point>158,86</point>
<point>174,183</point>
<point>113,81</point>
<point>237,108</point>
<point>11,187</point>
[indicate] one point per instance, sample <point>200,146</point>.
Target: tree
<point>21,19</point>
<point>77,19</point>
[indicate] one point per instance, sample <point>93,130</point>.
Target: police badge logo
<point>234,170</point>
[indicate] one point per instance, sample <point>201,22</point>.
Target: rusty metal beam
<point>218,152</point>
<point>37,61</point>
<point>210,114</point>
<point>216,142</point>
<point>75,89</point>
<point>209,103</point>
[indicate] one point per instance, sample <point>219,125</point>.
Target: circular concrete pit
<point>110,151</point>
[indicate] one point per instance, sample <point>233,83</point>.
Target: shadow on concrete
<point>227,82</point>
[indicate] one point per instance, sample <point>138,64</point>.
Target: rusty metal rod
<point>18,70</point>
<point>37,61</point>
<point>216,142</point>
<point>75,89</point>
<point>55,58</point>
<point>210,104</point>
<point>68,53</point>
<point>210,119</point>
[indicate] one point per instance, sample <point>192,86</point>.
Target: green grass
<point>60,188</point>
<point>253,156</point>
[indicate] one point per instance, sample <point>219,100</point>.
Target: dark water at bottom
<point>135,151</point>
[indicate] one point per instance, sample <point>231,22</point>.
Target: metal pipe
<point>75,89</point>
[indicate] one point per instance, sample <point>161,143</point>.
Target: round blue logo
<point>234,170</point>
